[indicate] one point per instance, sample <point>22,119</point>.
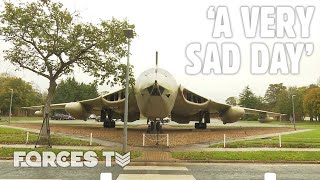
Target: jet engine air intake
<point>39,113</point>
<point>233,114</point>
<point>77,110</point>
<point>192,97</point>
<point>117,96</point>
<point>264,118</point>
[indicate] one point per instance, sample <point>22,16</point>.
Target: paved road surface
<point>189,171</point>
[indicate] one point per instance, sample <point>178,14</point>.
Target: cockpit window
<point>155,90</point>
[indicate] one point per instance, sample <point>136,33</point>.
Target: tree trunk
<point>51,92</point>
<point>45,131</point>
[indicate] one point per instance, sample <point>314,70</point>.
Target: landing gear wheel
<point>200,125</point>
<point>112,124</point>
<point>158,126</point>
<point>109,124</point>
<point>150,127</point>
<point>106,124</point>
<point>196,125</point>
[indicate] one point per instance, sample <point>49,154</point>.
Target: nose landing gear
<point>154,126</point>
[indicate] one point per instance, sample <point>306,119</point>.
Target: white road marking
<point>106,176</point>
<point>158,176</point>
<point>156,168</point>
<point>154,177</point>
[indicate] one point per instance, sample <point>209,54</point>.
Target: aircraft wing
<point>53,106</point>
<point>188,105</point>
<point>112,101</point>
<point>94,103</point>
<point>188,102</point>
<point>257,112</point>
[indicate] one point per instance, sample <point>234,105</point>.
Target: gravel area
<point>177,136</point>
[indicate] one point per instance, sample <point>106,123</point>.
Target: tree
<point>232,101</point>
<point>272,95</point>
<point>311,103</point>
<point>248,99</point>
<point>70,90</point>
<point>284,102</point>
<point>48,40</point>
<point>23,94</point>
<point>312,86</point>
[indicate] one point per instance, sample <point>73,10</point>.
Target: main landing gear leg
<point>108,122</point>
<point>204,119</point>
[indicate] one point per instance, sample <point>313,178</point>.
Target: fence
<point>31,137</point>
<point>157,138</point>
<point>274,141</point>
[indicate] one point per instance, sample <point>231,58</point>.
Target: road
<point>216,171</point>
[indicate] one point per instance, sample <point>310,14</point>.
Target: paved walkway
<point>154,156</point>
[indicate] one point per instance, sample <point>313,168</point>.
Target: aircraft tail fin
<point>156,61</point>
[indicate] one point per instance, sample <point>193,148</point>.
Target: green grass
<point>7,153</point>
<point>251,155</point>
<point>23,118</point>
<point>16,136</point>
<point>309,139</point>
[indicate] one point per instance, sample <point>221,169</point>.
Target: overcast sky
<point>169,26</point>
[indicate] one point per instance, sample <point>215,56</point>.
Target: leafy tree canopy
<point>23,94</point>
<point>70,90</point>
<point>272,95</point>
<point>47,39</point>
<point>311,102</point>
<point>248,99</point>
<point>231,101</point>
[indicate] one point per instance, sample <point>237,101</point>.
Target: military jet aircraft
<point>156,95</point>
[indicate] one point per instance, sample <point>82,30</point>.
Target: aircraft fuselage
<point>156,91</point>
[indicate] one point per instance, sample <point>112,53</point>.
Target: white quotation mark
<point>270,176</point>
<point>210,12</point>
<point>309,49</point>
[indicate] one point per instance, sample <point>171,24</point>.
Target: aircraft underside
<point>155,124</point>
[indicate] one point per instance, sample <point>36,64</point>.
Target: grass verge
<point>250,155</point>
<point>23,118</point>
<point>17,136</point>
<point>309,139</point>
